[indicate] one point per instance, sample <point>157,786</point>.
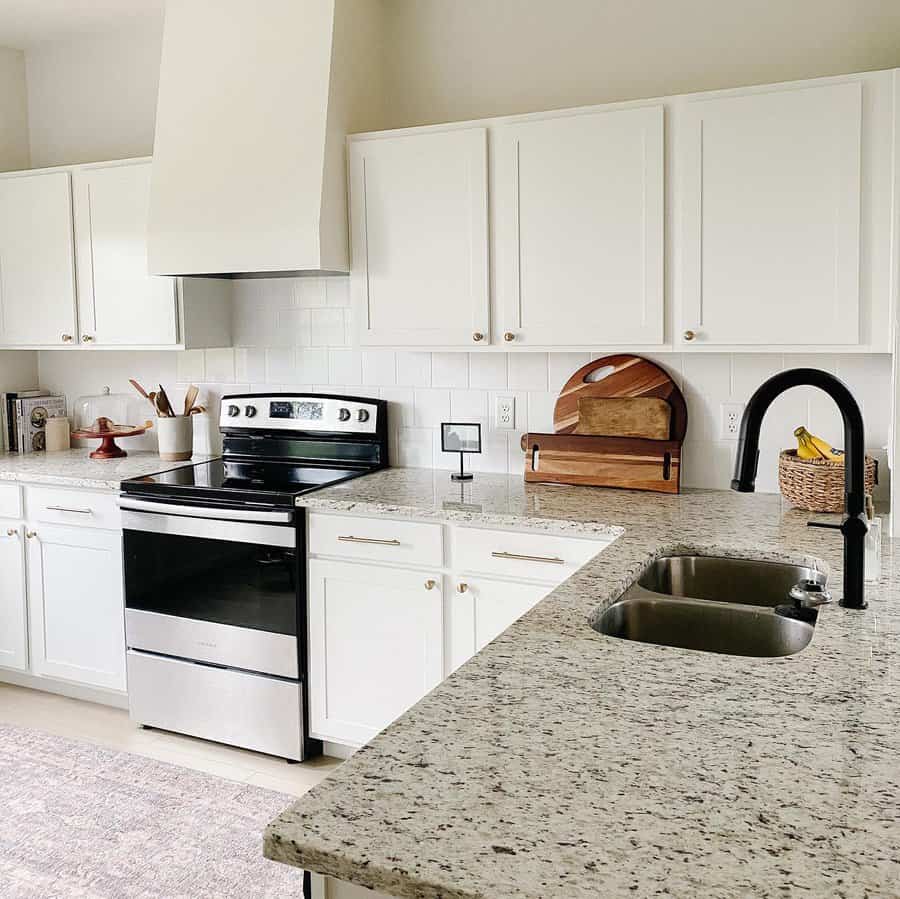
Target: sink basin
<point>726,580</point>
<point>714,604</point>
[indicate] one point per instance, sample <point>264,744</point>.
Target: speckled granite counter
<point>562,763</point>
<point>74,468</point>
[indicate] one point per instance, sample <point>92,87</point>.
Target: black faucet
<point>855,524</point>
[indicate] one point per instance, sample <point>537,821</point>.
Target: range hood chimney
<point>255,102</point>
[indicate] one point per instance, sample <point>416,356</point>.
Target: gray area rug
<point>78,820</point>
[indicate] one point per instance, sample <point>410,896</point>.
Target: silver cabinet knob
<point>31,534</point>
<point>430,584</point>
<point>12,532</point>
<point>66,338</point>
<point>462,588</point>
<point>477,336</point>
<point>509,337</point>
<point>689,335</point>
<point>86,338</point>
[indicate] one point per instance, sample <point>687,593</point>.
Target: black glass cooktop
<point>221,480</point>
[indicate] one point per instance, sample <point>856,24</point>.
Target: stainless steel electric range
<point>215,570</point>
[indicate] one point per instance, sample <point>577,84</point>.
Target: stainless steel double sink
<point>714,604</point>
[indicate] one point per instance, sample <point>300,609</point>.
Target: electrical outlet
<point>505,412</point>
<point>732,413</point>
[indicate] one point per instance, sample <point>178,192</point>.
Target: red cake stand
<point>107,432</point>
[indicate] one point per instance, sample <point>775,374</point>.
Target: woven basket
<point>817,485</point>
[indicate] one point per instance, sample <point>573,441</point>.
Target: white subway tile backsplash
<point>414,369</point>
<point>344,367</point>
<point>488,371</point>
<point>294,334</point>
<point>449,370</point>
<point>431,407</point>
<point>280,362</point>
<point>528,371</point>
<point>190,366</point>
<point>379,368</point>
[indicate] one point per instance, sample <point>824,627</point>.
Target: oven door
<point>209,589</point>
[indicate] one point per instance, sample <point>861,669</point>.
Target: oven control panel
<point>345,415</point>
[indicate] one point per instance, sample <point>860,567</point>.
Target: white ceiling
<point>24,23</point>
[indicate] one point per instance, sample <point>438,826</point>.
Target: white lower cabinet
<point>482,608</point>
<point>376,646</point>
<point>13,618</point>
<point>75,601</point>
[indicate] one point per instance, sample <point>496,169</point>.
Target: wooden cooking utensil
<point>190,398</point>
<point>147,396</point>
<point>163,404</point>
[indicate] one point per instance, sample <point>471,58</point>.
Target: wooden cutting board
<point>636,463</point>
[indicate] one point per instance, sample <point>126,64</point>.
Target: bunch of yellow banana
<point>811,447</point>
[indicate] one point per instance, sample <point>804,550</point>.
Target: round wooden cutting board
<point>622,375</point>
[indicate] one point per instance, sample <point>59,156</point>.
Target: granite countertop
<point>559,762</point>
<point>74,468</point>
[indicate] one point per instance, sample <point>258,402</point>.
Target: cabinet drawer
<point>56,505</point>
<point>542,557</point>
<point>10,501</point>
<point>376,540</point>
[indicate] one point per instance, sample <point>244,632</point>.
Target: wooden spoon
<point>190,398</point>
<point>163,404</point>
<point>147,396</point>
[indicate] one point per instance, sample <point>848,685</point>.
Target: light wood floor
<point>111,727</point>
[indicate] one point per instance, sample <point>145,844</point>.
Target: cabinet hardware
<point>689,335</point>
<point>12,532</point>
<point>30,534</point>
<point>552,560</point>
<point>477,336</point>
<point>462,588</point>
<point>86,338</point>
<point>509,337</point>
<point>351,539</point>
<point>64,509</point>
<point>430,584</point>
<point>66,338</point>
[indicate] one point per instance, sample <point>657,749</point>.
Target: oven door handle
<point>145,505</point>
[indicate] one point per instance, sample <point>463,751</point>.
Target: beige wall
<point>13,111</point>
<point>93,99</point>
<point>460,59</point>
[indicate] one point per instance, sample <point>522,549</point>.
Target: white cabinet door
<point>376,646</point>
<point>76,605</point>
<point>769,223</point>
<point>13,634</point>
<point>481,609</point>
<point>579,242</point>
<point>418,209</point>
<point>120,304</point>
<point>37,267</point>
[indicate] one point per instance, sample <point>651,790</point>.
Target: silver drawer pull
<point>550,560</point>
<point>64,509</point>
<point>351,539</point>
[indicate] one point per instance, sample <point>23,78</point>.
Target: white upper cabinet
<point>419,238</point>
<point>37,268</point>
<point>769,199</point>
<point>579,205</point>
<point>120,303</point>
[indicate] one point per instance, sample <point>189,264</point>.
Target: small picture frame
<point>461,437</point>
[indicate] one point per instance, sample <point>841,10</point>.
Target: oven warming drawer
<point>234,707</point>
<point>207,641</point>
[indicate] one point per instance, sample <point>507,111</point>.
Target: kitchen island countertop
<point>75,468</point>
<point>559,762</point>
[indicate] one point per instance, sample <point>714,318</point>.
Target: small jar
<point>873,551</point>
<point>56,433</point>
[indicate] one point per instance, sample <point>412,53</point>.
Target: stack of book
<point>23,418</point>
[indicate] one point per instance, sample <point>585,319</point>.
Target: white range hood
<point>255,102</point>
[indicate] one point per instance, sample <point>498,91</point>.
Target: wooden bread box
<point>620,422</point>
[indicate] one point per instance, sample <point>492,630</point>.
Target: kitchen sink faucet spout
<point>855,524</point>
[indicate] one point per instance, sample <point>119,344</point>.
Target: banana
<point>811,447</point>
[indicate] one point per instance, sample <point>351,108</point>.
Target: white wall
<point>13,111</point>
<point>94,98</point>
<point>17,370</point>
<point>460,59</point>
